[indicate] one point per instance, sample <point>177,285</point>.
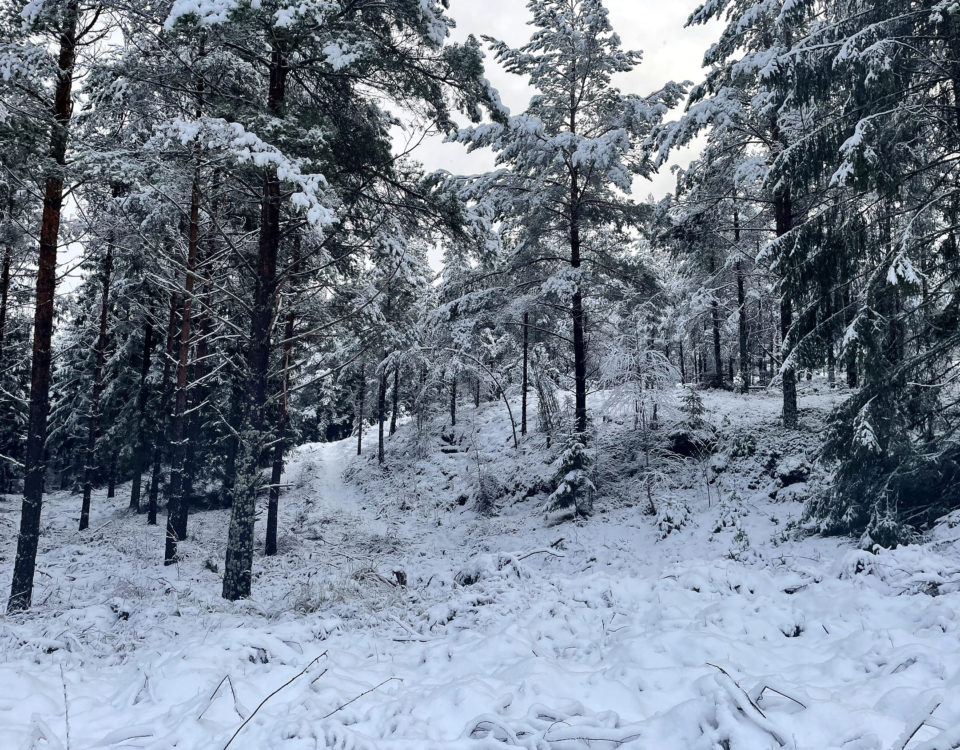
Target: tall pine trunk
<point>453,400</point>
<point>361,404</point>
<point>21,587</point>
<point>395,413</point>
<point>381,416</point>
<point>783,211</point>
<point>273,508</point>
<point>178,502</point>
<point>576,310</point>
<point>526,374</point>
<point>238,569</point>
<point>160,428</point>
<point>4,293</point>
<point>140,452</point>
<point>100,358</point>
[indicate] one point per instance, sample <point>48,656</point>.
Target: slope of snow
<point>728,630</point>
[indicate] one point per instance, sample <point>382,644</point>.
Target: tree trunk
<point>238,569</point>
<point>683,363</point>
<point>178,502</point>
<point>453,400</point>
<point>4,293</point>
<point>276,472</point>
<point>160,431</point>
<point>526,374</point>
<point>361,403</point>
<point>112,480</point>
<point>783,210</point>
<point>396,401</point>
<point>381,416</point>
<point>100,358</point>
<point>21,587</point>
<point>742,306</point>
<point>139,457</point>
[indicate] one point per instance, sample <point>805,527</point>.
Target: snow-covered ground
<point>711,625</point>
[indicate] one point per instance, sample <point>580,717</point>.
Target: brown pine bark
<point>238,569</point>
<point>21,587</point>
<point>361,403</point>
<point>273,509</point>
<point>177,502</point>
<point>100,357</point>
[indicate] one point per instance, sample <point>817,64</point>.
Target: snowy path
<point>610,639</point>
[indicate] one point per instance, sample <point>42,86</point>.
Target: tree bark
<point>381,417</point>
<point>139,457</point>
<point>683,363</point>
<point>4,293</point>
<point>742,306</point>
<point>276,472</point>
<point>783,211</point>
<point>238,569</point>
<point>100,357</point>
<point>21,587</point>
<point>579,339</point>
<point>526,374</point>
<point>395,414</point>
<point>453,400</point>
<point>160,429</point>
<point>361,403</point>
<point>177,502</point>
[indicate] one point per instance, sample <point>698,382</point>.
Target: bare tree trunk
<point>21,587</point>
<point>177,502</point>
<point>526,373</point>
<point>100,357</point>
<point>139,457</point>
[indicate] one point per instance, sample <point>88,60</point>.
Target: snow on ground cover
<point>727,632</point>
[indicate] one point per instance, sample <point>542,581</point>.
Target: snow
<point>733,630</point>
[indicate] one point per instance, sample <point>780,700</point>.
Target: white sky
<point>671,52</point>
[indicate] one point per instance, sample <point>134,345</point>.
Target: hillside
<point>422,623</point>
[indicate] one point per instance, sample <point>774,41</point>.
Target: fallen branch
<point>353,700</point>
<point>263,702</point>
<point>539,552</point>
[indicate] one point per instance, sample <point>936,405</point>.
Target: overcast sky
<point>671,52</point>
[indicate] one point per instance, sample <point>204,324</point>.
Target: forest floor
<point>714,621</point>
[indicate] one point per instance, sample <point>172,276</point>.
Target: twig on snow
<point>66,706</point>
<point>539,552</point>
<point>352,700</point>
<point>913,728</point>
<point>263,702</point>
<point>788,697</point>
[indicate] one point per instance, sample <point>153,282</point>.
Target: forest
<point>278,402</point>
